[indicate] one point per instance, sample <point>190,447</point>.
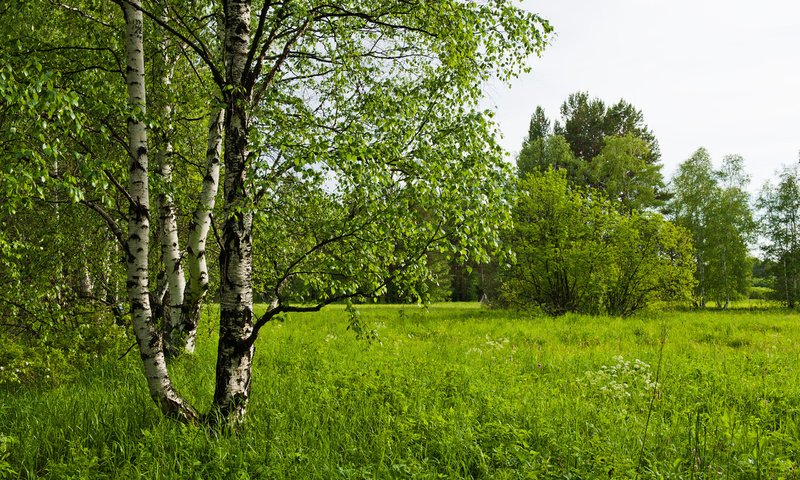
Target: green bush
<point>54,356</point>
<point>575,252</point>
<point>761,293</point>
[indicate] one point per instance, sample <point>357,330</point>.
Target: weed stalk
<point>650,407</point>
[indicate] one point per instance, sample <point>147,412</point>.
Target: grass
<point>455,391</point>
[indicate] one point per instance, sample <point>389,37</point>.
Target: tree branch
<point>277,307</point>
<point>278,63</point>
<point>119,186</point>
<point>112,224</point>
<point>83,14</point>
<point>200,49</point>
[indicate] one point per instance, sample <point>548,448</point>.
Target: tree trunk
<point>109,292</point>
<point>85,282</point>
<point>234,360</point>
<point>197,286</point>
<point>170,244</point>
<point>148,336</point>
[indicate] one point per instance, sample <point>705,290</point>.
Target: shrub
<point>762,293</point>
<point>56,354</point>
<point>575,252</point>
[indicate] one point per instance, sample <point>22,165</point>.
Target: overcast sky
<point>722,74</point>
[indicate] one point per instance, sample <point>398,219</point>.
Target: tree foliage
<point>355,152</point>
<point>622,172</point>
<point>586,122</point>
<point>576,253</point>
<point>715,207</point>
<point>607,148</point>
<point>779,206</point>
<point>543,153</point>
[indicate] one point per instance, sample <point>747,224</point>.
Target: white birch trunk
<point>107,274</point>
<point>147,335</point>
<point>234,358</point>
<point>168,228</point>
<point>85,282</point>
<point>197,286</point>
<point>171,252</point>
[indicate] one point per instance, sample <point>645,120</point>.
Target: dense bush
<point>575,252</point>
<point>53,355</point>
<point>762,293</point>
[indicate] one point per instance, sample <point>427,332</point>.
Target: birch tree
<point>715,207</point>
<point>171,252</point>
<point>147,332</point>
<point>693,186</point>
<point>313,136</point>
<point>352,146</point>
<point>779,206</point>
<point>731,229</point>
<point>197,284</point>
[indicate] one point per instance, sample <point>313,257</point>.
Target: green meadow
<point>451,391</point>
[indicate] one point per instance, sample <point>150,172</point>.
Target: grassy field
<point>455,391</point>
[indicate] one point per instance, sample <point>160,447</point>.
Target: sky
<point>719,74</point>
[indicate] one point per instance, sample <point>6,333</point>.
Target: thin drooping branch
<point>277,306</point>
<point>118,186</point>
<point>112,224</point>
<point>375,19</point>
<point>83,14</point>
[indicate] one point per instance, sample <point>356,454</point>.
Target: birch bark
<point>197,285</point>
<point>148,336</point>
<point>168,228</point>
<point>234,357</point>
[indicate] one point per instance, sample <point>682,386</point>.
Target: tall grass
<point>454,391</point>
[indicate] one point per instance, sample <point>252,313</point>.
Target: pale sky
<point>722,74</point>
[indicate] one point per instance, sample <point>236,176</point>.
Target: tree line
<point>594,173</point>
